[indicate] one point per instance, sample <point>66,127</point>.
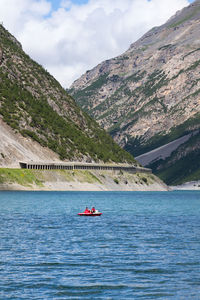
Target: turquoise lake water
<point>146,245</point>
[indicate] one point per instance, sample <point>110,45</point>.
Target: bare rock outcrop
<point>149,95</point>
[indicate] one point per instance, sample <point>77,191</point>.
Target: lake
<point>146,245</point>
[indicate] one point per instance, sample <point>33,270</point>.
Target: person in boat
<point>87,210</point>
<point>93,210</point>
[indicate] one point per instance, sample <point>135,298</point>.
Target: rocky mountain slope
<point>150,95</point>
<point>39,120</point>
<point>15,148</point>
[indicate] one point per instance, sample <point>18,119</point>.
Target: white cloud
<point>75,38</point>
<point>66,4</point>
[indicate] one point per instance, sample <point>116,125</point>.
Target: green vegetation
<point>124,58</point>
<point>183,170</point>
<point>30,179</point>
<point>181,21</point>
<point>179,73</point>
<point>165,47</point>
<point>197,92</point>
<point>186,18</point>
<point>81,96</point>
<point>154,82</point>
<point>144,179</point>
<point>61,136</point>
<point>194,65</point>
<point>33,103</point>
<point>136,76</point>
<point>116,180</point>
<point>134,115</point>
<point>144,48</point>
<point>85,100</point>
<point>191,52</point>
<point>137,146</point>
<point>27,178</point>
<point>110,105</point>
<point>86,176</point>
<point>183,165</point>
<point>23,177</point>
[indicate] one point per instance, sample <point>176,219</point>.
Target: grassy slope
<point>19,176</point>
<point>37,178</point>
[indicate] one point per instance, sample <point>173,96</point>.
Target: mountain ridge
<point>149,95</point>
<point>40,112</point>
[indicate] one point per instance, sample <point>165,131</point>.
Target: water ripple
<point>149,251</point>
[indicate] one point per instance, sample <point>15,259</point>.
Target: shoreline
<point>78,180</point>
<point>188,186</point>
<point>82,187</point>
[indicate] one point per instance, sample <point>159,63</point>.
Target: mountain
<point>39,120</point>
<point>150,95</point>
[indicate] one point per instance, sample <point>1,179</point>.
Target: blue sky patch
<point>56,3</point>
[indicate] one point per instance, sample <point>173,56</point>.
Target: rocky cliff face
<point>40,120</point>
<point>150,95</point>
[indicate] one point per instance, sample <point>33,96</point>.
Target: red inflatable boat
<point>94,214</point>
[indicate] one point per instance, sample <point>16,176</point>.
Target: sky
<point>69,37</point>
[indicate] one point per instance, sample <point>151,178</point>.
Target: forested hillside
<point>38,109</point>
